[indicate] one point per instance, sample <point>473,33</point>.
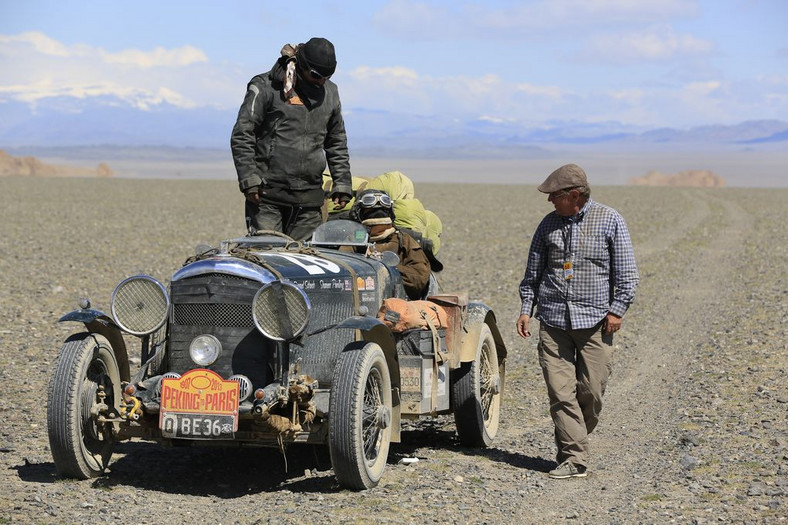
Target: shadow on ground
<point>236,472</point>
<point>220,472</point>
<point>438,434</point>
<point>36,472</point>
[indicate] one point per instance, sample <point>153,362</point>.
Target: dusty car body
<point>263,341</point>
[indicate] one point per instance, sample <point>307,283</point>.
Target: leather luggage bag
<point>401,315</point>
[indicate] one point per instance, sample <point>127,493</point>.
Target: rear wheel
<point>476,394</point>
<point>85,383</point>
<point>359,432</point>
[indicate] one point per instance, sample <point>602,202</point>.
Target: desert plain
<point>695,423</point>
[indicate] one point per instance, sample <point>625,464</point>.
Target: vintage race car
<point>267,341</point>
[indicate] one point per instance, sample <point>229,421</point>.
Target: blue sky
<point>644,63</point>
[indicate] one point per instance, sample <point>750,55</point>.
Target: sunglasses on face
<point>560,193</point>
<point>314,74</point>
<point>370,199</point>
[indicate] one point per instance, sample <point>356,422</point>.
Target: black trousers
<point>290,219</point>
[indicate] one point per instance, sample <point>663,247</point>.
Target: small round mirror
<point>390,258</point>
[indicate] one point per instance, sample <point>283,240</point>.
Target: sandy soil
<point>694,429</point>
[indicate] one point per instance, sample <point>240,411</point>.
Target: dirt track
<point>695,423</point>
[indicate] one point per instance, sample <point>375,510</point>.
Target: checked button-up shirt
<point>603,272</point>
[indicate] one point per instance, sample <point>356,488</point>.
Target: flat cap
<point>567,176</point>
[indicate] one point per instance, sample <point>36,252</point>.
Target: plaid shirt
<point>596,242</point>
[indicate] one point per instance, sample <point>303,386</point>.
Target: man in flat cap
<point>289,126</point>
<point>581,277</point>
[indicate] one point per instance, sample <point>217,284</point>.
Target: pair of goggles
<point>369,200</point>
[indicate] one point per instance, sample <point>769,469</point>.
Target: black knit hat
<point>318,54</point>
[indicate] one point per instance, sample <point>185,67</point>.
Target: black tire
<point>359,431</point>
<point>81,447</point>
<point>476,394</point>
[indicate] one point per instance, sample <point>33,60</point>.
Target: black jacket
<point>283,147</point>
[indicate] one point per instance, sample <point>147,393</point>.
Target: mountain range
<point>64,124</point>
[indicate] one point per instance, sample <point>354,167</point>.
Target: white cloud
<point>403,90</point>
<point>779,81</point>
<point>396,75</point>
<point>552,92</point>
<point>495,120</point>
<point>702,89</point>
<point>43,45</point>
<point>39,42</point>
<point>385,88</point>
<point>484,86</point>
<point>654,44</point>
<point>705,99</point>
<point>683,105</point>
<point>159,57</point>
<point>523,19</point>
<point>496,100</point>
<point>36,67</point>
<point>139,98</point>
<point>587,11</point>
<point>549,15</point>
<point>630,96</point>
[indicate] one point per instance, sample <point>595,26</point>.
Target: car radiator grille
<point>220,305</point>
<point>234,315</point>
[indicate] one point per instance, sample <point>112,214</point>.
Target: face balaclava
<point>379,223</point>
<point>317,54</point>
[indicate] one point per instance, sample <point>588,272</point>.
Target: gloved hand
<point>340,199</point>
<point>253,194</point>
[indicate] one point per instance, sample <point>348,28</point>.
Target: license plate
<point>410,378</point>
<point>198,426</point>
<point>199,405</point>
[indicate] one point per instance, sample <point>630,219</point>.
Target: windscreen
<point>340,232</point>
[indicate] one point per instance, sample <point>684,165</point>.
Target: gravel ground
<point>694,429</point>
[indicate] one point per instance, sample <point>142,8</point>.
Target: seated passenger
<point>374,209</point>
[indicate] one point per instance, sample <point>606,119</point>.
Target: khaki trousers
<point>576,365</point>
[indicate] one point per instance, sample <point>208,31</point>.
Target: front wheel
<point>476,394</point>
<point>85,383</point>
<point>359,431</point>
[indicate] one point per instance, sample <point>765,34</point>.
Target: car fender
<point>373,331</point>
<point>98,322</point>
<point>479,314</point>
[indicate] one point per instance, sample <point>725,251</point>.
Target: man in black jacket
<point>289,125</point>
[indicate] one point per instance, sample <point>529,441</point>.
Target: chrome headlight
<point>140,305</point>
<point>281,310</point>
<point>205,349</point>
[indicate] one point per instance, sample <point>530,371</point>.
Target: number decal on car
<point>313,265</point>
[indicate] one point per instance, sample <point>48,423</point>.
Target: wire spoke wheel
<point>476,394</point>
<point>488,384</point>
<point>371,425</point>
<point>360,416</point>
